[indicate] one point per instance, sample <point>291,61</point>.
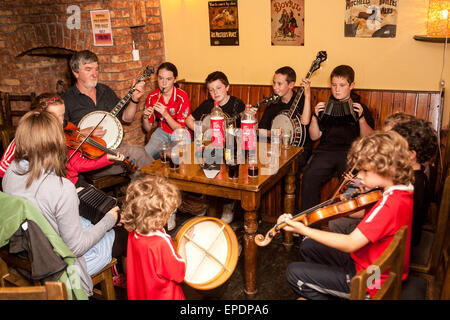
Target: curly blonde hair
<point>385,153</point>
<point>149,203</point>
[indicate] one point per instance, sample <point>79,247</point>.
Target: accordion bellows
<point>339,109</point>
<point>94,203</point>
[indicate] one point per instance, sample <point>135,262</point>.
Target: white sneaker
<point>227,212</point>
<point>171,224</point>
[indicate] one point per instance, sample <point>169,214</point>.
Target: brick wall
<point>36,44</point>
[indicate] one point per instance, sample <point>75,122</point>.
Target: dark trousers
<point>323,274</point>
<point>320,168</point>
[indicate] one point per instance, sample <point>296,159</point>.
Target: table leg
<point>289,204</point>
<point>250,203</point>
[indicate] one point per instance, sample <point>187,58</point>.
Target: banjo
<point>108,120</point>
<point>289,120</point>
<point>206,119</point>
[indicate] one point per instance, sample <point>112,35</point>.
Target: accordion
<point>94,203</point>
<point>339,111</point>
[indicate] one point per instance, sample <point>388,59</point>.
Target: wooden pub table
<point>191,178</point>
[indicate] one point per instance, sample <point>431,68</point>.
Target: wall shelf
<point>430,39</point>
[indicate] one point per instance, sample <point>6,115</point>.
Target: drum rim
<point>119,139</point>
<point>231,259</point>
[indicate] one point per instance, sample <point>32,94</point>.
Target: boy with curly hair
<point>330,260</point>
<point>154,268</point>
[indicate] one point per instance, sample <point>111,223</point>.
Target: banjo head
<point>211,249</point>
<point>114,129</point>
<point>283,121</point>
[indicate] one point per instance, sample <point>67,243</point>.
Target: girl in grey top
<point>37,174</point>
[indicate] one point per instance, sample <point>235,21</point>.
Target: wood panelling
<point>422,104</point>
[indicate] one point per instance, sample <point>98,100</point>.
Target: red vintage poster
<point>288,22</point>
<point>223,23</point>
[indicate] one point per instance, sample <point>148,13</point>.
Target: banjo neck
<point>122,102</point>
<point>147,73</point>
<point>298,97</point>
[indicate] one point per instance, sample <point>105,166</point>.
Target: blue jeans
<point>158,136</point>
<point>100,254</point>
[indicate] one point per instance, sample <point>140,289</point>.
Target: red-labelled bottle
<point>248,129</point>
<point>217,126</point>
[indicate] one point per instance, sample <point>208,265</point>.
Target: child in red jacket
<point>330,260</point>
<point>154,268</point>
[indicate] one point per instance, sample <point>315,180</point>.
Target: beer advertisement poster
<point>223,23</point>
<point>288,22</point>
<point>101,28</point>
<point>371,18</point>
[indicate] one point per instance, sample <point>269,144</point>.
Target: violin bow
<point>344,181</point>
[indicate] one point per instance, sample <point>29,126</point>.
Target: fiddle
<point>324,212</point>
<point>93,147</point>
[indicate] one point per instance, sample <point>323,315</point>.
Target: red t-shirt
<point>179,108</point>
<point>154,269</point>
<point>380,224</point>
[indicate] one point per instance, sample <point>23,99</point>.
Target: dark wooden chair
<point>49,291</point>
<point>425,256</point>
<point>7,124</point>
<point>102,281</point>
<point>392,258</point>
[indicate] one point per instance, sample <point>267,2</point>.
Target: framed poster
<point>223,23</point>
<point>101,28</point>
<point>371,18</point>
<point>288,22</point>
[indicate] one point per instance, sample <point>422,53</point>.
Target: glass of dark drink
<point>252,170</point>
<point>164,149</point>
<point>233,170</point>
<point>174,160</point>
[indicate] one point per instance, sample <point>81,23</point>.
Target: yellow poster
<point>101,28</point>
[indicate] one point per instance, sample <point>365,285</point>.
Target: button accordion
<point>94,203</point>
<point>339,112</point>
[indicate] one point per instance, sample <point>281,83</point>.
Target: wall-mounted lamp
<point>437,22</point>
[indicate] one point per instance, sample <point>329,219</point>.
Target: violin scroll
<point>263,241</point>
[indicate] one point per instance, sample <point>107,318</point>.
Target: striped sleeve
<point>7,158</point>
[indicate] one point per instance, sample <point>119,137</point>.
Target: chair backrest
<point>392,258</point>
<point>9,113</point>
<point>49,291</point>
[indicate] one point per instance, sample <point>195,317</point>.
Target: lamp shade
<point>437,25</point>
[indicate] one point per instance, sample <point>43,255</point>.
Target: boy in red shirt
<point>330,260</point>
<point>154,269</point>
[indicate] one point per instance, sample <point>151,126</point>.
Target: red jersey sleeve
<point>79,163</point>
<point>185,108</point>
<point>171,266</point>
<point>7,158</point>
